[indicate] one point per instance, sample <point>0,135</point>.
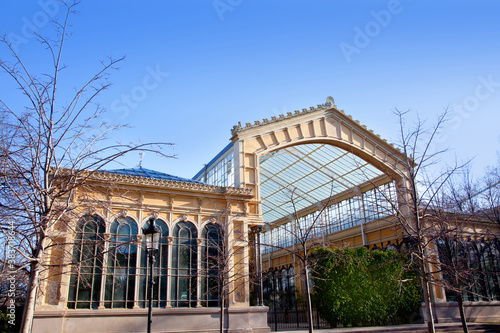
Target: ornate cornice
<point>328,107</point>
<point>239,128</point>
<point>103,176</point>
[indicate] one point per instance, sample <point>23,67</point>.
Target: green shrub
<point>359,287</point>
<point>6,323</point>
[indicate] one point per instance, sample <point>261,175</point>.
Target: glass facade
<point>371,205</point>
<point>222,173</point>
<point>279,288</point>
<point>472,266</point>
<point>114,273</point>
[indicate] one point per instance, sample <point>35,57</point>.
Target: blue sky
<point>193,69</point>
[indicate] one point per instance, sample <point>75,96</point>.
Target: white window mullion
<point>138,271</point>
<point>199,241</point>
<point>170,240</point>
<point>104,271</point>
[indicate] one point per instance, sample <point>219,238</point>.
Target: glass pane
<point>184,257</point>
<point>85,276</point>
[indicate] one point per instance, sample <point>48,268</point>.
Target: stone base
<point>178,320</point>
<point>481,312</point>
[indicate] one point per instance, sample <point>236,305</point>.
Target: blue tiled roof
<point>147,173</point>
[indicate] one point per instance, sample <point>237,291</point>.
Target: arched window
<point>267,285</point>
<point>86,271</point>
<point>160,271</point>
<point>279,280</point>
<point>284,277</point>
<point>495,272</point>
<point>184,265</point>
<point>291,287</point>
<point>121,264</point>
<point>212,258</point>
<point>291,278</point>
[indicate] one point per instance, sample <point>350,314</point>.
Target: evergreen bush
<point>359,287</point>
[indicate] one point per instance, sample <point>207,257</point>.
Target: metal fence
<point>293,318</point>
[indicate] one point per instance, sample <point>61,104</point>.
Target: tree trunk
<point>29,305</point>
<point>308,299</point>
<point>462,312</point>
<point>221,319</point>
<point>427,298</point>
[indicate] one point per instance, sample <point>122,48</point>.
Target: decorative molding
<point>171,184</point>
<point>330,110</point>
<point>238,128</point>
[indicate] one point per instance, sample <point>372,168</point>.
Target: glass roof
<point>313,172</point>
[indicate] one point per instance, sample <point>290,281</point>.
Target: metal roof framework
<point>310,173</point>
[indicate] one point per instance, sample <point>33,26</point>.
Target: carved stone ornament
<point>236,128</point>
<point>185,218</point>
<point>128,179</point>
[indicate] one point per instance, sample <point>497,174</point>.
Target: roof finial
<point>140,161</point>
<point>330,102</point>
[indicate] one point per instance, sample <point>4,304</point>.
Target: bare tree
<point>51,143</point>
<point>490,193</point>
<point>223,263</point>
<point>305,236</point>
<point>454,256</point>
<point>462,202</point>
<point>418,183</point>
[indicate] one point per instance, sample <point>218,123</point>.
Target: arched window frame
<point>211,257</point>
<point>160,270</point>
<point>86,270</point>
<point>121,264</point>
<point>184,271</point>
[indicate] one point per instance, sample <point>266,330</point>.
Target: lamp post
<point>152,236</point>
